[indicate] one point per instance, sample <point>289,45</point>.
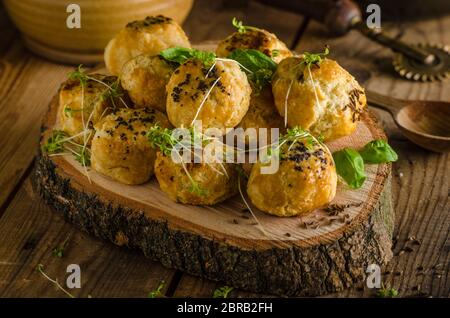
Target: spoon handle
<point>390,104</point>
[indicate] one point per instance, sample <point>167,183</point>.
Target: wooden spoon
<point>425,123</point>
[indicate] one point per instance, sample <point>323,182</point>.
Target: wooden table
<point>30,230</point>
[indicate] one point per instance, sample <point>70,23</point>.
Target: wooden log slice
<point>312,255</point>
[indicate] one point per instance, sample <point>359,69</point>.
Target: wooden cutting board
<point>321,253</point>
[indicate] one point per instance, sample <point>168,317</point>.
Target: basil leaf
<point>378,151</point>
<point>350,166</point>
<point>181,54</point>
<point>258,66</point>
<point>253,60</point>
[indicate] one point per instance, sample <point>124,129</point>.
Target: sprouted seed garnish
<point>385,292</point>
<point>59,250</point>
<point>163,140</point>
<point>241,28</point>
<point>40,269</point>
<point>112,91</point>
<point>156,293</point>
<point>59,143</point>
<point>308,60</point>
<point>205,98</point>
<point>222,292</point>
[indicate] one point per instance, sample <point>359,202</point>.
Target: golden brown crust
<point>341,98</point>
<point>259,39</point>
<point>214,187</point>
<point>224,107</point>
<point>77,114</point>
<point>305,180</point>
<point>120,148</point>
<point>149,36</point>
<point>262,113</point>
<point>145,78</point>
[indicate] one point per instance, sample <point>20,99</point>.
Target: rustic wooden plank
<point>421,179</point>
<point>27,84</point>
<point>32,231</point>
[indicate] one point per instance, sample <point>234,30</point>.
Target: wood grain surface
<point>420,184</point>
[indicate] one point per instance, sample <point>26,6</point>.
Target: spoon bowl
<point>425,123</point>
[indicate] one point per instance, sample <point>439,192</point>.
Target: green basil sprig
<point>181,54</point>
<point>350,163</point>
<point>258,66</point>
<point>350,166</point>
<point>378,151</point>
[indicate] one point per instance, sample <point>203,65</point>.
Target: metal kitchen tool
<point>418,62</point>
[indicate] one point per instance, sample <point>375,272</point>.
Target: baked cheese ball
<point>257,39</point>
<point>213,187</point>
<point>145,78</point>
<point>78,114</point>
<point>329,105</point>
<point>219,96</point>
<point>262,113</point>
<point>306,180</point>
<point>120,148</point>
<point>149,36</point>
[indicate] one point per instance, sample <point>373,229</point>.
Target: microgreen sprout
<point>308,60</point>
<point>69,112</point>
<point>385,292</point>
<point>112,91</point>
<point>167,143</point>
<point>40,269</point>
<point>84,157</point>
<point>59,250</point>
<point>59,142</point>
<point>55,143</point>
<point>79,75</point>
<point>222,292</point>
<point>156,293</point>
<point>241,28</point>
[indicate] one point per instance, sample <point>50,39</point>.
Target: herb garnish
<point>157,292</point>
<point>168,145</point>
<point>181,54</point>
<point>84,157</point>
<point>307,60</point>
<point>378,151</point>
<point>241,28</point>
<point>112,91</point>
<point>79,75</point>
<point>310,59</point>
<point>222,292</point>
<point>384,292</point>
<point>350,166</point>
<point>258,66</point>
<point>59,250</point>
<point>69,111</point>
<point>40,269</point>
<point>55,143</point>
<point>350,162</point>
<point>59,141</point>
